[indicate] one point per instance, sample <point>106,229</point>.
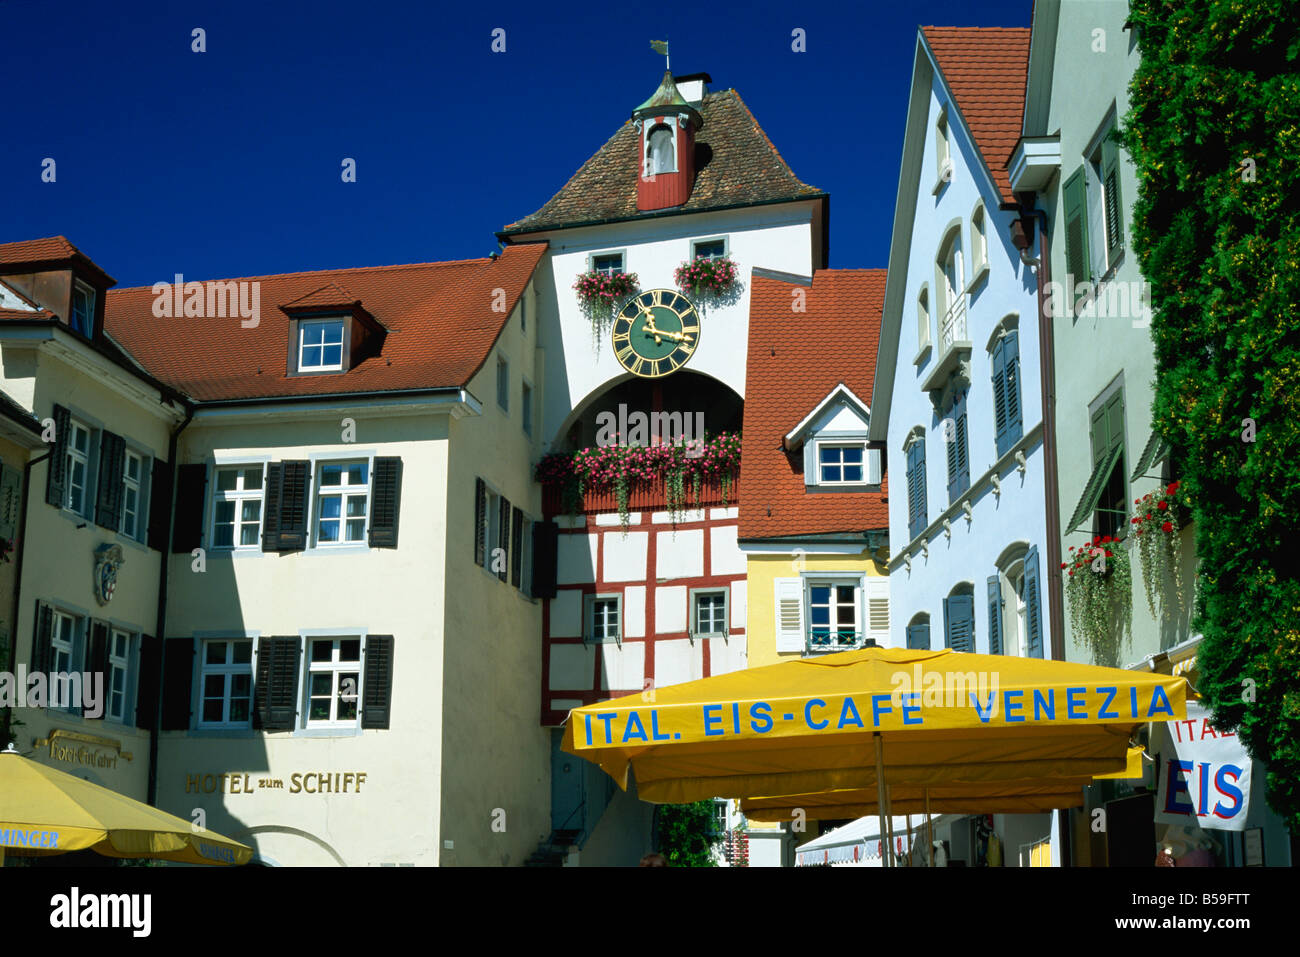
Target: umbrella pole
<point>929,829</point>
<point>881,800</point>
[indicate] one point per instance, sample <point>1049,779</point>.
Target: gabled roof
<point>735,163</point>
<point>326,297</point>
<point>986,69</point>
<point>840,394</point>
<point>440,320</point>
<point>795,360</point>
<point>47,253</point>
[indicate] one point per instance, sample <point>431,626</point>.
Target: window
<point>503,384</point>
<point>132,475</point>
<point>320,345</point>
<point>833,607</point>
<point>77,469</point>
<point>342,492</point>
<point>1105,495</point>
<point>603,618</point>
<point>83,308</point>
<point>918,633</point>
<point>955,437</point>
<point>839,464</point>
<point>952,326</point>
<point>710,249</point>
<point>709,613</point>
<point>1105,216</point>
<point>608,263</point>
<point>526,408</point>
<point>923,319</point>
<point>119,664</point>
<point>1015,621</point>
<point>720,816</point>
<point>943,159</point>
<point>62,641</point>
<point>979,248</point>
<point>333,681</point>
<point>226,683</point>
<point>833,615</point>
<point>1007,418</point>
<point>237,510</point>
<point>916,505</point>
<point>660,156</point>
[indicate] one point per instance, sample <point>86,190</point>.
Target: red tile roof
<point>37,250</point>
<point>795,360</point>
<point>330,294</point>
<point>986,69</point>
<point>735,163</point>
<point>439,316</point>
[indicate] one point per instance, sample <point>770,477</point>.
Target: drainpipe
<point>18,580</point>
<point>160,630</point>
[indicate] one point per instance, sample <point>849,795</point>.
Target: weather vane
<point>661,46</point>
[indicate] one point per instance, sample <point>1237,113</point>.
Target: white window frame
<point>943,148</point>
<point>979,244</point>
<point>826,445</point>
<point>648,170</point>
<point>129,485</point>
<point>589,619</point>
<point>80,287</point>
<point>491,526</point>
<point>336,668</point>
<point>71,458</point>
<point>239,495</point>
<point>63,641</point>
<point>923,338</point>
<point>696,594</point>
<point>622,262</point>
<point>810,580</point>
<point>697,243</point>
<point>119,663</point>
<point>343,492</point>
<point>325,343</point>
<point>229,670</point>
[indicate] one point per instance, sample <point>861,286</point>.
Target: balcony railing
<point>651,496</point>
<point>954,323</point>
<point>823,640</point>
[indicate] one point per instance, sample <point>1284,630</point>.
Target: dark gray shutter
<point>1011,380</point>
<point>503,537</point>
<point>377,690</point>
<point>1000,417</point>
<point>480,521</point>
<point>97,656</point>
<point>516,548</point>
<point>385,508</point>
<point>546,543</point>
<point>271,508</point>
<point>293,506</point>
<point>146,699</point>
<point>42,650</point>
<point>275,694</point>
<point>56,474</point>
<point>191,484</point>
<point>995,615</point>
<point>160,505</point>
<point>963,446</point>
<point>1033,616</point>
<point>177,683</point>
<point>1110,194</point>
<point>916,500</point>
<point>959,620</point>
<point>918,636</point>
<point>108,488</point>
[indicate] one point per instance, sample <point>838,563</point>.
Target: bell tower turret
<point>666,125</point>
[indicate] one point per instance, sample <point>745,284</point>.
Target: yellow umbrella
<point>45,812</point>
<point>933,718</point>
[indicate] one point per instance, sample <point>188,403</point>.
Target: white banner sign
<point>1205,778</point>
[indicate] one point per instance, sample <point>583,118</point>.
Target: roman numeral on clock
<point>627,354</point>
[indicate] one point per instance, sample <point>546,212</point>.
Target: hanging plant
<point>620,468</point>
<point>707,278</point>
<point>1099,587</point>
<point>599,296</point>
<point>1156,523</point>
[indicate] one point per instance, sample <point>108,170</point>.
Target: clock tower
<point>666,126</point>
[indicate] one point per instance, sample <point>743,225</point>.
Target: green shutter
<point>387,504</point>
<point>377,686</point>
<point>108,487</point>
<point>1111,194</point>
<point>1074,199</point>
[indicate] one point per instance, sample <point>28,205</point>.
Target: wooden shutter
<point>503,537</point>
<point>11,492</point>
<point>386,507</point>
<point>1033,616</point>
<point>56,474</point>
<point>1000,416</point>
<point>1074,198</point>
<point>97,658</point>
<point>963,445</point>
<point>177,683</point>
<point>788,595</point>
<point>916,504</point>
<point>275,690</point>
<point>187,530</point>
<point>1011,385</point>
<point>480,522</point>
<point>42,650</point>
<point>959,620</point>
<point>878,611</point>
<point>377,687</point>
<point>516,547</point>
<point>546,543</point>
<point>271,508</point>
<point>1111,196</point>
<point>108,487</point>
<point>875,466</point>
<point>293,506</point>
<point>160,505</point>
<point>918,636</point>
<point>146,698</point>
<point>995,615</point>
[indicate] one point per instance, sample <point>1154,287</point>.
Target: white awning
<point>860,840</point>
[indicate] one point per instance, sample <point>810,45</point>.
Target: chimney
<point>693,86</point>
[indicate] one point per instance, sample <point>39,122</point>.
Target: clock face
<point>655,333</point>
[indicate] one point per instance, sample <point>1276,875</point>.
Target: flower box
<point>707,278</point>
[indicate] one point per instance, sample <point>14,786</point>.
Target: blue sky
<point>227,163</point>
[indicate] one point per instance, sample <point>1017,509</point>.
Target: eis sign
<point>1206,777</point>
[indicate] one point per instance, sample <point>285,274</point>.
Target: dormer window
<point>320,345</point>
<point>660,155</point>
<point>840,464</point>
<point>836,452</point>
<point>83,308</point>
